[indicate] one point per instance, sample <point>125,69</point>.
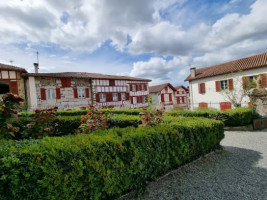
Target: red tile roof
<point>11,67</point>
<point>181,86</point>
<point>158,88</point>
<point>84,75</point>
<point>242,64</point>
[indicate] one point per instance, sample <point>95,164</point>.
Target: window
<point>253,78</point>
<point>178,92</point>
<point>143,87</point>
<point>102,97</point>
<point>201,88</point>
<point>224,85</point>
<point>50,94</point>
<point>143,99</point>
<point>4,87</point>
<point>134,87</point>
<point>134,100</point>
<point>115,96</point>
<point>81,93</point>
<point>111,82</point>
<point>123,96</point>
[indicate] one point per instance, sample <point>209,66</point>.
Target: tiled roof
<point>84,75</point>
<point>11,67</point>
<point>181,86</point>
<point>242,64</point>
<point>158,88</point>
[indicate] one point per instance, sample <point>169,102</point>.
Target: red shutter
<point>178,100</point>
<point>13,87</point>
<point>203,88</point>
<point>86,92</point>
<point>65,82</point>
<point>244,81</point>
<point>110,97</point>
<point>178,92</point>
<point>249,104</point>
<point>145,87</point>
<point>231,84</point>
<point>97,97</point>
<point>203,105</point>
<point>58,96</point>
<point>131,87</point>
<point>127,96</point>
<point>263,78</point>
<point>68,82</point>
<point>131,100</point>
<point>183,100</point>
<point>170,97</point>
<point>225,106</point>
<point>199,88</point>
<point>43,95</point>
<point>217,86</point>
<point>166,89</point>
<point>119,96</point>
<point>75,92</point>
<point>162,97</point>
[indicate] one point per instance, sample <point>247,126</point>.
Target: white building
<point>182,96</point>
<point>163,95</point>
<point>208,85</point>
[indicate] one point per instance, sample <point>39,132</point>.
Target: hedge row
<point>68,124</point>
<point>233,117</point>
<point>83,112</point>
<point>105,164</point>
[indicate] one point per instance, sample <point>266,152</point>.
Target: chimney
<point>193,72</point>
<point>36,67</point>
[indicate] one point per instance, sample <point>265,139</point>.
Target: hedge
<point>105,164</point>
<point>84,112</point>
<point>68,124</point>
<point>233,117</point>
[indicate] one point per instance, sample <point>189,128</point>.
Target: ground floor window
<point>102,97</point>
<point>143,99</point>
<point>81,93</point>
<point>225,106</point>
<point>50,94</point>
<point>115,96</point>
<point>4,87</point>
<point>123,96</point>
<point>134,100</point>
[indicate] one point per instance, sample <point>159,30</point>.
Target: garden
<point>100,154</point>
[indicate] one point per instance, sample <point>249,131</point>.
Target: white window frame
<point>123,96</point>
<point>143,99</point>
<point>102,97</point>
<point>253,78</point>
<point>134,100</point>
<point>50,94</point>
<point>224,84</point>
<point>81,93</point>
<point>134,88</point>
<point>115,97</point>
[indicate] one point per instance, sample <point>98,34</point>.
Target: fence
<point>218,106</point>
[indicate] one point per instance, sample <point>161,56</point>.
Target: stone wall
<point>67,100</point>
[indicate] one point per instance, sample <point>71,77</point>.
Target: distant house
<point>11,80</point>
<point>182,96</point>
<point>163,95</point>
<point>206,84</point>
<point>76,90</point>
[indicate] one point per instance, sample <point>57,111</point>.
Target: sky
<point>156,39</point>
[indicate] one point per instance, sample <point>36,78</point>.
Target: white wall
<point>211,96</point>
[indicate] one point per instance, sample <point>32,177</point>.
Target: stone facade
<point>67,100</point>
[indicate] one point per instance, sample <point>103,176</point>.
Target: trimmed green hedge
<point>84,112</point>
<point>105,164</point>
<point>233,117</point>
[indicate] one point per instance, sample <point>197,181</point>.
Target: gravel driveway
<point>237,172</point>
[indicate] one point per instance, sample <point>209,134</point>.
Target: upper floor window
<point>253,78</point>
<point>143,87</point>
<point>115,96</point>
<point>224,85</point>
<point>134,87</point>
<point>81,93</point>
<point>102,97</point>
<point>111,82</point>
<point>50,94</point>
<point>178,92</point>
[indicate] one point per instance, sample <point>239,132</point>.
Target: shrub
<point>104,164</point>
<point>8,110</point>
<point>233,117</point>
<point>151,119</point>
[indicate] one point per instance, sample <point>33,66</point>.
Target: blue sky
<point>153,39</point>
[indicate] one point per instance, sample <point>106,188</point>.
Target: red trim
<point>231,84</point>
<point>43,94</point>
<point>127,96</point>
<point>225,106</point>
<point>217,86</point>
<point>58,96</point>
<point>87,92</point>
<point>263,78</point>
<point>97,97</point>
<point>203,105</point>
<point>65,82</point>
<point>75,93</point>
<point>170,97</point>
<point>162,97</point>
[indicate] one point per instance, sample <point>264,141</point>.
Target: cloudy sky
<point>156,39</point>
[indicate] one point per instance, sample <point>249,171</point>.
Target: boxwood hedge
<point>233,117</point>
<point>104,164</point>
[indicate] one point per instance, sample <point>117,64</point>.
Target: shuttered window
<point>50,94</point>
<point>123,96</point>
<point>170,97</point>
<point>225,106</point>
<point>231,84</point>
<point>58,95</point>
<point>13,86</point>
<point>43,94</point>
<point>203,105</point>
<point>65,82</point>
<point>87,93</point>
<point>162,97</point>
<point>201,88</point>
<point>102,97</point>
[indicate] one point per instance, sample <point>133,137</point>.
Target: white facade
<point>182,97</point>
<point>213,98</point>
<point>165,97</point>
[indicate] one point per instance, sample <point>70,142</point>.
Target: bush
<point>104,164</point>
<point>233,117</point>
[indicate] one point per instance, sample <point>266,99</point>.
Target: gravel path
<point>237,172</point>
